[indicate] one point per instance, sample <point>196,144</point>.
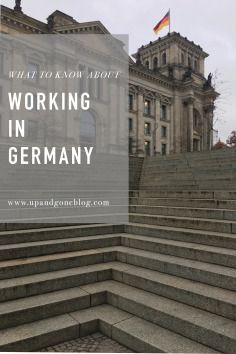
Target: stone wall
<point>135,169</point>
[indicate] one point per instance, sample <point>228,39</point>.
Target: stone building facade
<point>170,102</point>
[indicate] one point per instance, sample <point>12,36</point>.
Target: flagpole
<point>169,21</point>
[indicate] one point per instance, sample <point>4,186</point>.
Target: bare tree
<point>231,141</point>
<point>222,87</point>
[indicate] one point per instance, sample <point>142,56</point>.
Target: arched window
<point>163,59</point>
<point>196,119</point>
<point>195,65</point>
<point>87,126</point>
<point>182,58</point>
<point>155,63</point>
<point>189,61</point>
<point>147,64</point>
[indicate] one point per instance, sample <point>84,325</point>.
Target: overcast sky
<point>211,24</point>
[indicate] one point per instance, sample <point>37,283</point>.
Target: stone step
<point>119,217</point>
<point>184,202</point>
<point>178,179</point>
<point>145,337</point>
<point>154,193</point>
<point>132,331</point>
<point>167,181</point>
<point>194,170</point>
<point>22,226</point>
<point>30,285</point>
<point>175,184</point>
<point>226,186</point>
<point>60,194</point>
<point>170,187</point>
<point>213,299</point>
<point>201,213</point>
<point>75,215</point>
<point>208,329</point>
<point>190,171</point>
<point>32,249</point>
<point>33,308</point>
<point>191,269</point>
<point>181,164</point>
<point>183,169</point>
<point>191,157</point>
<point>193,251</point>
<point>186,194</point>
<point>206,297</point>
<point>225,226</point>
<point>201,156</point>
<point>197,154</point>
<point>55,233</point>
<point>165,173</point>
<point>196,165</point>
<point>173,187</point>
<point>34,265</point>
<point>207,273</point>
<point>210,238</point>
<point>39,334</point>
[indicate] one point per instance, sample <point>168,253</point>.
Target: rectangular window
<point>147,147</point>
<point>130,124</point>
<point>130,145</point>
<point>163,112</point>
<point>131,102</point>
<point>195,121</point>
<point>163,132</point>
<point>196,145</point>
<point>147,107</point>
<point>147,128</point>
<point>163,149</point>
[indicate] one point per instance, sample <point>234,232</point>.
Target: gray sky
<point>211,24</point>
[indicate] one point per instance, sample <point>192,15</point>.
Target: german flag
<point>165,21</point>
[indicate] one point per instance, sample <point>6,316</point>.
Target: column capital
<point>209,108</point>
<point>188,101</point>
<point>140,90</point>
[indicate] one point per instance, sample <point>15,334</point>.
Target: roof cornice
<point>173,37</point>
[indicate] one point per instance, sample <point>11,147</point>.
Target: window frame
<point>147,128</point>
<point>163,112</point>
<point>130,124</point>
<point>131,102</point>
<point>163,131</point>
<point>147,107</point>
<point>164,58</point>
<point>164,149</point>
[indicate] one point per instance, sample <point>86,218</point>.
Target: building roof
<point>30,24</point>
<point>11,16</point>
<point>170,37</point>
<point>62,14</point>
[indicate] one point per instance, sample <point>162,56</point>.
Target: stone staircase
<point>165,282</point>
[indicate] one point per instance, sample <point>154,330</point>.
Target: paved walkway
<point>96,342</point>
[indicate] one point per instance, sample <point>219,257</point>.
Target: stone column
<point>190,123</point>
<point>156,134</point>
<point>171,128</point>
<point>140,124</point>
